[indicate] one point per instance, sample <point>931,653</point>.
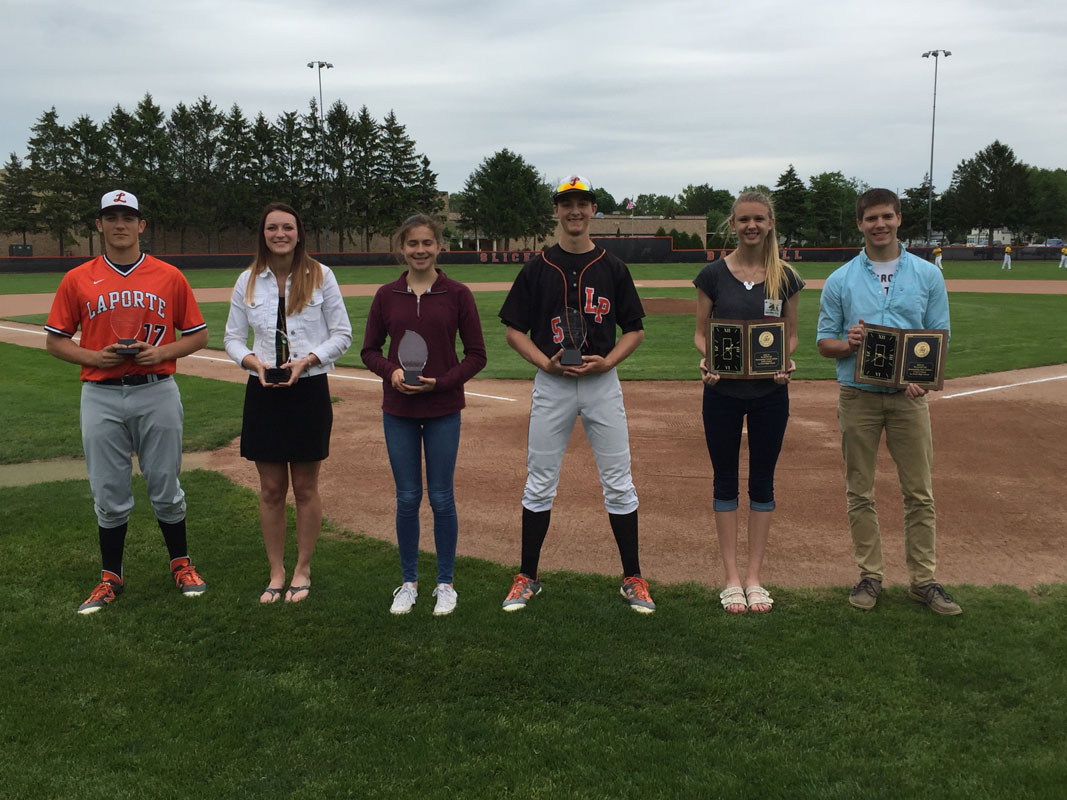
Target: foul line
<point>1005,386</point>
<point>334,375</point>
<point>375,379</point>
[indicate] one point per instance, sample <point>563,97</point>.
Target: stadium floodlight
<point>933,125</point>
<point>320,65</point>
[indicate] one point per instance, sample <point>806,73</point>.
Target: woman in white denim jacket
<point>294,308</point>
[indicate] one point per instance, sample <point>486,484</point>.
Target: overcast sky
<point>636,96</point>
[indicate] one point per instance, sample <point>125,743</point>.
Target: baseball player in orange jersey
<point>129,307</point>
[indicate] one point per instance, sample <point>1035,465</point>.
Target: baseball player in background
<point>1006,263</point>
<point>129,401</point>
<point>576,274</point>
<point>1063,257</point>
<point>937,259</point>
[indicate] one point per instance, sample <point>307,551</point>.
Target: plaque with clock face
<point>895,357</point>
<point>746,348</point>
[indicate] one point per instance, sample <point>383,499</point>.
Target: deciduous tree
<point>505,198</point>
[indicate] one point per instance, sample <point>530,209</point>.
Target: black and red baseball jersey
<point>596,283</point>
<point>151,298</point>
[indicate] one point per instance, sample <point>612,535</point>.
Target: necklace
<point>748,284</point>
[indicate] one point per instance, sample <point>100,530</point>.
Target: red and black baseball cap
<point>574,184</point>
<point>120,199</point>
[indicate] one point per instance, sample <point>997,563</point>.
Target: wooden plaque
<point>895,357</point>
<point>746,348</point>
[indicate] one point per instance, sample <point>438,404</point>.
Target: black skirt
<point>291,424</point>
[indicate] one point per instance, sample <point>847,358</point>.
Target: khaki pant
<point>862,417</point>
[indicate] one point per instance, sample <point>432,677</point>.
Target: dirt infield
<point>998,478</point>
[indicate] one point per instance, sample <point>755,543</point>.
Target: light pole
<point>933,125</point>
<point>319,65</point>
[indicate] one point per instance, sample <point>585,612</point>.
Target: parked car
<point>1054,242</point>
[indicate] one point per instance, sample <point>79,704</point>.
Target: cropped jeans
<point>723,421</point>
<point>406,438</point>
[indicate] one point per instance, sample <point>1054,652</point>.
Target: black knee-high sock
<point>534,530</point>
<point>624,526</point>
<point>112,545</point>
<point>174,536</point>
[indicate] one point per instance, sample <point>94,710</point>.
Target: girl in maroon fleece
<point>424,414</point>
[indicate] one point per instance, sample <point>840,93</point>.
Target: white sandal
<point>733,596</point>
<point>758,596</point>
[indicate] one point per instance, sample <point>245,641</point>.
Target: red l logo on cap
<point>120,197</point>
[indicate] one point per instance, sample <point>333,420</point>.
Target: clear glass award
<point>572,323</point>
<point>126,324</point>
<point>412,352</point>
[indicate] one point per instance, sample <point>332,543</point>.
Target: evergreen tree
<point>18,203</point>
<point>85,169</point>
<point>49,155</point>
<point>790,204</point>
<point>262,165</point>
<point>288,171</point>
<point>406,184</point>
<point>339,140</point>
<point>181,129</point>
<point>150,168</point>
<point>118,131</point>
<point>204,205</point>
<point>361,159</point>
<point>237,209</point>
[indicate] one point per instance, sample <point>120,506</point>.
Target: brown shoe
<point>864,595</point>
<point>936,598</point>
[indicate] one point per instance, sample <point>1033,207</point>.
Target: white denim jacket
<point>322,327</point>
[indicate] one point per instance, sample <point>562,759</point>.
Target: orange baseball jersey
<point>148,301</point>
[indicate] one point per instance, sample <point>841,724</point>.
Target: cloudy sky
<point>637,96</point>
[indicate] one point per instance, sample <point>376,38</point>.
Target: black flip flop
<point>296,590</point>
<point>273,595</point>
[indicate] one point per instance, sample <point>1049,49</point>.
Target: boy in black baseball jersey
<point>597,289</point>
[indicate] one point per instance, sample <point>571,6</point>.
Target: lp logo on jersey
<point>599,308</point>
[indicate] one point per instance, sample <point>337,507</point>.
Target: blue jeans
<point>723,420</point>
<point>405,439</point>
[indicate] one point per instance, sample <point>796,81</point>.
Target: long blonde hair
<point>305,273</point>
<point>778,271</point>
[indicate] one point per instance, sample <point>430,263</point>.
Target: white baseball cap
<point>120,199</point>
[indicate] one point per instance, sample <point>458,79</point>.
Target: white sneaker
<point>404,598</point>
<point>446,599</point>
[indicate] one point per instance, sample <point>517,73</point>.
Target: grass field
<point>40,397</point>
<point>32,283</point>
<point>576,697</point>
<point>990,333</point>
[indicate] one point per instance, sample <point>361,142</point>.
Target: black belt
<point>131,380</point>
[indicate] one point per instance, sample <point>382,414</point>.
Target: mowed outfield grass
<point>990,333</point>
<point>33,283</point>
<point>575,697</point>
<point>40,399</point>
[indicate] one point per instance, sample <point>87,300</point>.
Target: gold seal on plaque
<point>766,339</point>
<point>922,349</point>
